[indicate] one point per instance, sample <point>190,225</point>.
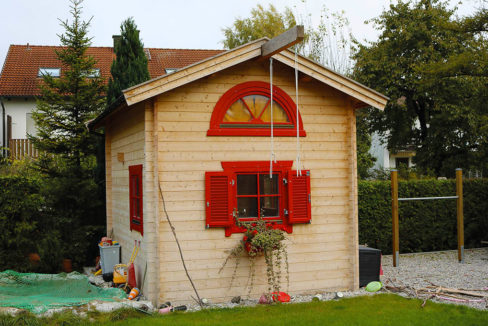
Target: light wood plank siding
<point>126,137</point>
<point>108,179</point>
<point>321,255</point>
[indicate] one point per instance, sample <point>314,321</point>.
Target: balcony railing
<point>21,148</point>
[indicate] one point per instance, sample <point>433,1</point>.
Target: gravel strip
<point>415,271</point>
<point>442,269</point>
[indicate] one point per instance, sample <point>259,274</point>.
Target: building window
<point>245,192</point>
<point>170,70</point>
<point>53,72</point>
<point>135,198</point>
<point>93,73</point>
<point>258,196</point>
<point>401,162</point>
<point>30,125</point>
<point>245,110</point>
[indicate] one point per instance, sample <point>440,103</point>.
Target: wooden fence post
<point>460,215</point>
<point>394,216</point>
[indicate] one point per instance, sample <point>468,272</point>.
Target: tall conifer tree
<point>130,66</point>
<point>74,202</point>
<point>69,101</point>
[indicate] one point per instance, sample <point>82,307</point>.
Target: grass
<point>381,309</point>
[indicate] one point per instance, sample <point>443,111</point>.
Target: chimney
<point>116,39</point>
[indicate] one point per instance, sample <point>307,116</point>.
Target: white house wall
<point>380,152</point>
<point>18,110</point>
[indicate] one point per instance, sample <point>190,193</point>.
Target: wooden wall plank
<point>184,152</point>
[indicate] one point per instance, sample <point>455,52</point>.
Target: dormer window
<point>170,70</point>
<point>53,72</point>
<point>93,73</point>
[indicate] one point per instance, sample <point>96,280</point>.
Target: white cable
<point>299,169</point>
<point>272,156</point>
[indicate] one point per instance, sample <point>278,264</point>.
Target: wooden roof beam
<point>283,41</point>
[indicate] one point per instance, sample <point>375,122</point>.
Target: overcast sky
<point>192,24</point>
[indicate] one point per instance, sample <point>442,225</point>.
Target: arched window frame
<point>255,88</point>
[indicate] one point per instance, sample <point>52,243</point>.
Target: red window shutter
<point>218,199</point>
<point>135,198</point>
<point>299,201</point>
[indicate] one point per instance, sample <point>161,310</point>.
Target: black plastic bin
<point>369,265</point>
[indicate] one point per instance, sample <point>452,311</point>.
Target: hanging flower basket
<point>261,239</point>
<point>248,244</point>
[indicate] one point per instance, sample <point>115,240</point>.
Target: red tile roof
<point>21,66</point>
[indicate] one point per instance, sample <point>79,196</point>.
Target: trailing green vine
<point>260,239</point>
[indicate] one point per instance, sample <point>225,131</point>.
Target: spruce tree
<point>74,202</point>
<point>68,102</point>
<point>130,66</point>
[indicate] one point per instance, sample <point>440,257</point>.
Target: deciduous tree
<point>328,44</point>
<point>262,23</point>
<point>427,61</point>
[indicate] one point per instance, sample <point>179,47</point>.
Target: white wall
<point>18,109</point>
<point>1,128</point>
<point>380,152</point>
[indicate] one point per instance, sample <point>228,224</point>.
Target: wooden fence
<point>20,148</point>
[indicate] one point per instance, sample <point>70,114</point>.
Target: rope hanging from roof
<point>299,168</point>
<point>272,154</point>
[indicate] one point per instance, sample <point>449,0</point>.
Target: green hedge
<point>424,225</point>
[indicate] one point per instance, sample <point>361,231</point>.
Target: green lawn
<point>381,309</point>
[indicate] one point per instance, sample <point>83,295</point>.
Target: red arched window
<point>245,110</point>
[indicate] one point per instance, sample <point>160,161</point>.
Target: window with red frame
<point>135,198</point>
<point>245,110</point>
<point>245,191</point>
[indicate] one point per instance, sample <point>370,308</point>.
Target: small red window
<point>245,110</point>
<point>245,191</point>
<point>135,198</point>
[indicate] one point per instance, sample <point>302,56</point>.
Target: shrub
<point>20,220</point>
<point>55,218</point>
<point>424,225</point>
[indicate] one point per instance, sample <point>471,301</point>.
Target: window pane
<point>30,126</point>
<point>136,180</point>
<point>247,207</point>
<point>54,72</point>
<point>247,184</point>
<point>94,73</point>
<point>256,104</point>
<point>132,185</point>
<point>279,115</point>
<point>268,186</point>
<point>133,207</point>
<point>237,113</point>
<point>269,206</point>
<point>137,212</point>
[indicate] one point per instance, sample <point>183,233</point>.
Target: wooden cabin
<point>202,135</point>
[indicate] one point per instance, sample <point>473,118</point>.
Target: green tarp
<point>40,292</point>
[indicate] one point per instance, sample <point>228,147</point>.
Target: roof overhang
<point>362,95</point>
<point>247,52</point>
<point>116,106</point>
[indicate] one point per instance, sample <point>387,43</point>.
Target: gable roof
<point>19,75</point>
<point>363,95</point>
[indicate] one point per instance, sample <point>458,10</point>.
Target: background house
<point>21,76</point>
<point>199,134</point>
<point>387,160</point>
